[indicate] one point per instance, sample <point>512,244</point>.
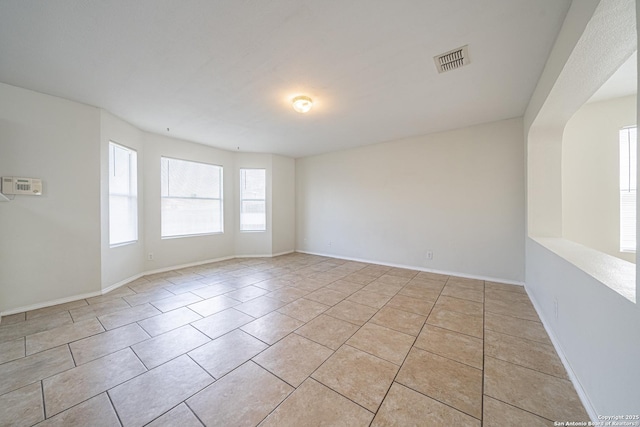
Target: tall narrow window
<point>253,205</point>
<point>191,194</point>
<point>123,195</point>
<point>628,187</point>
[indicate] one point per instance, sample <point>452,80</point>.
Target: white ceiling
<point>623,82</point>
<point>223,72</point>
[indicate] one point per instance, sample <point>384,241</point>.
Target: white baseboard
<point>50,303</point>
<point>584,398</point>
<point>413,267</point>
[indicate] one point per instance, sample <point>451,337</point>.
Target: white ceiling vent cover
<point>453,59</point>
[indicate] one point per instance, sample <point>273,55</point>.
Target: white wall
<point>596,328</point>
<point>283,204</point>
<point>590,174</point>
<point>459,194</point>
<point>49,245</point>
<point>121,262</point>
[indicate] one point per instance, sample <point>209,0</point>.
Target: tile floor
<point>296,340</point>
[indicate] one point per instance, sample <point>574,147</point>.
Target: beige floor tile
<point>12,319</point>
<point>293,358</point>
<point>272,327</point>
<point>382,342</point>
<point>405,407</point>
<point>450,382</point>
<point>260,306</point>
<point>226,353</point>
<point>149,296</point>
<point>359,278</point>
<point>303,309</point>
<point>495,286</point>
<point>17,330</point>
<point>122,291</point>
<point>62,335</point>
<point>247,293</point>
<point>22,407</point>
<point>465,282</point>
<point>522,328</point>
<point>426,283</point>
<point>183,288</point>
<point>213,305</point>
<point>128,315</point>
<point>442,278</point>
<point>453,345</point>
<point>162,348</point>
<point>545,395</point>
<point>273,284</point>
<point>287,294</point>
<point>460,305</point>
<point>21,372</point>
<point>389,289</point>
<point>530,354</point>
<point>352,312</point>
<point>358,376</point>
<point>168,321</point>
<point>315,405</point>
<point>399,320</point>
<point>512,304</point>
<point>89,380</point>
<point>327,296</point>
<point>96,411</point>
<point>46,311</point>
<point>12,350</point>
<point>421,292</point>
<point>372,299</point>
<point>462,292</point>
<point>220,323</point>
<point>328,331</point>
<point>402,272</point>
<point>455,321</point>
<point>413,305</point>
<point>345,287</point>
<point>98,309</point>
<point>242,398</point>
<point>147,396</point>
<point>171,303</point>
<point>100,345</point>
<point>213,290</point>
<point>499,414</point>
<point>388,279</point>
<point>181,416</point>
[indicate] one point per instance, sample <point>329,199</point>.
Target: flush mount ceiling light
<point>302,104</point>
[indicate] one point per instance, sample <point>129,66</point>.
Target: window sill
<point>615,273</point>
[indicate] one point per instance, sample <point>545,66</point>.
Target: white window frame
<point>132,192</point>
<point>246,199</point>
<point>220,171</point>
<point>628,188</point>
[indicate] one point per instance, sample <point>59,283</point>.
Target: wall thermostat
<point>24,186</point>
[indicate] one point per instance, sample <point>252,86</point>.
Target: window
<point>253,205</point>
<point>191,194</point>
<point>628,168</point>
<point>123,195</point>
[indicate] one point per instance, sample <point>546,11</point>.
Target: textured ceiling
<point>623,82</point>
<point>223,73</point>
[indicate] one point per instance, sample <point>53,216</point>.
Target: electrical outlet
<point>150,256</point>
<point>429,255</point>
<point>330,243</point>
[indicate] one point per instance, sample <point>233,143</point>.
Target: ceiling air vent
<point>453,59</point>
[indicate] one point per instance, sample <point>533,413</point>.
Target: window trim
<point>221,199</point>
<point>114,144</point>
<point>252,200</point>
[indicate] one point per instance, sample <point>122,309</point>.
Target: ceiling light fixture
<point>302,104</point>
